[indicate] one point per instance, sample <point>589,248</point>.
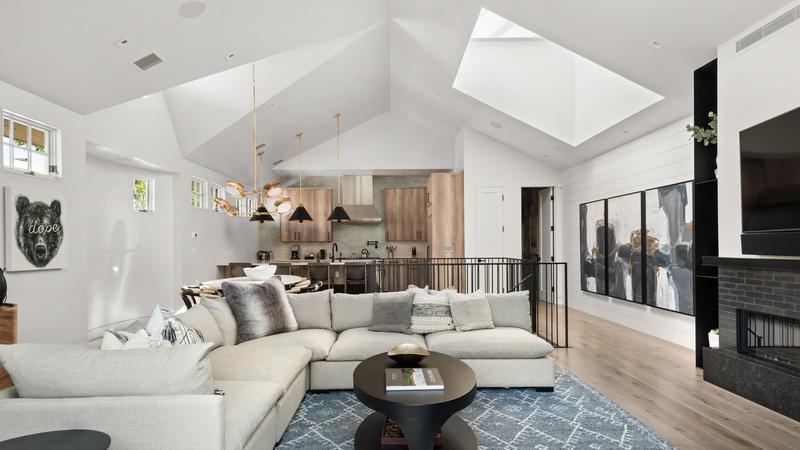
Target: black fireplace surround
<point>759,325</point>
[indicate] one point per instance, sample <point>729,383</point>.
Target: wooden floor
<point>656,382</point>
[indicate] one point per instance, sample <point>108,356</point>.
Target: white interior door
<point>489,227</point>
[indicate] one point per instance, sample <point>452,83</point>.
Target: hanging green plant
<point>705,135</point>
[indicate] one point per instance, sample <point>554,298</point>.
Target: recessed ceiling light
<point>229,56</point>
<point>145,97</point>
<point>495,124</point>
<point>271,105</point>
<point>122,42</point>
<point>190,10</point>
<point>656,43</point>
<point>626,132</point>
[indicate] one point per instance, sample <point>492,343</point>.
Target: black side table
<point>60,440</point>
<point>420,414</point>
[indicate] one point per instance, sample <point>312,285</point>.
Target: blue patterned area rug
<point>575,416</point>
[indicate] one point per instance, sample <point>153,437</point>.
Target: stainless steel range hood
<point>357,200</point>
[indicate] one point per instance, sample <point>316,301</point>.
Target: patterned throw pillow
<point>161,330</point>
<point>430,313</point>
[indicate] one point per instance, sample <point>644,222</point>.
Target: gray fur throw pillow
<point>260,310</point>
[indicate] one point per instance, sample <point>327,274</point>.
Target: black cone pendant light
<point>261,214</point>
<point>338,214</point>
<point>300,213</point>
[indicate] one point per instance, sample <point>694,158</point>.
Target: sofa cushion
<point>260,310</point>
<point>511,310</point>
<point>259,361</point>
<point>470,311</point>
<point>316,340</point>
<point>64,371</point>
<point>358,344</point>
<point>430,312</point>
<point>392,312</point>
<point>247,404</point>
<point>495,343</point>
<point>199,318</point>
<point>351,311</point>
<point>223,316</point>
<point>312,309</point>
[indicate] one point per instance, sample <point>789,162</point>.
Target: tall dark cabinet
<point>706,241</point>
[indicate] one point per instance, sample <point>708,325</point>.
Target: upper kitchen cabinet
<point>406,215</point>
<point>445,205</point>
<point>318,202</point>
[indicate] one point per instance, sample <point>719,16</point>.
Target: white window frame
<point>212,205</point>
<point>202,192</point>
<point>53,146</point>
<point>150,184</point>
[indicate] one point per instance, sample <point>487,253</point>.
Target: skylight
<point>544,85</point>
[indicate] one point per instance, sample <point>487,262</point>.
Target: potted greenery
<point>706,136</point>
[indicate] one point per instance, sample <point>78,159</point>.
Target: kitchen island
<point>352,276</point>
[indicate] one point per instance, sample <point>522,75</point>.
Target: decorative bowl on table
<point>408,354</point>
<point>261,273</point>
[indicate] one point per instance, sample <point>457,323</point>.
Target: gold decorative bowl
<point>408,354</point>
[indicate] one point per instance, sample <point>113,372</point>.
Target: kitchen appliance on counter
<point>295,249</point>
<point>264,255</point>
<point>323,253</point>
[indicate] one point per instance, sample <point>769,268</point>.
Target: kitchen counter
<point>302,262</point>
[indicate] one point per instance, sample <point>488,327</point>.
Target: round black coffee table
<point>59,440</point>
<point>420,414</point>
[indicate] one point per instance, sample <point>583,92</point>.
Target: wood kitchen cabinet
<point>445,215</point>
<point>318,202</point>
<point>406,215</point>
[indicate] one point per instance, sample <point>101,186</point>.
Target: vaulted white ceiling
<point>360,57</point>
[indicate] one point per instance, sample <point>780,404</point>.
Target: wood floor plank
<point>656,381</point>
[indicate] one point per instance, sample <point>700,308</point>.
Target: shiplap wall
<point>662,157</point>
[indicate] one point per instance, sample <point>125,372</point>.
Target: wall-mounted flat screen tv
<point>770,162</point>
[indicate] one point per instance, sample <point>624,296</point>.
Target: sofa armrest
<point>152,422</point>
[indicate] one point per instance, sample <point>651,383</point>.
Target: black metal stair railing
<point>545,283</point>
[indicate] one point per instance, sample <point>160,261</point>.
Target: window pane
<point>20,158</point>
<point>39,140</point>
<point>20,134</point>
<point>140,195</point>
<point>39,163</point>
<point>6,129</point>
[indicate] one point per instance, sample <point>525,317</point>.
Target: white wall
<point>52,303</point>
<point>130,253</point>
<point>220,239</point>
<point>753,86</point>
<point>662,157</point>
<point>389,141</point>
<point>488,162</point>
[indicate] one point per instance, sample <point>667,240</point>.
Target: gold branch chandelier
<point>269,197</point>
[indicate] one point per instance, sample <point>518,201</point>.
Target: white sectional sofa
<point>264,380</point>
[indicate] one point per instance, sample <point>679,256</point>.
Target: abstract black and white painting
<point>669,265</point>
<point>593,246</point>
<point>35,233</point>
<point>624,238</point>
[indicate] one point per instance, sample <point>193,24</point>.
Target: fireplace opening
<point>769,337</point>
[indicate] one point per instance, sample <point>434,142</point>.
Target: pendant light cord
<point>338,168</point>
<point>300,155</point>
<point>255,150</point>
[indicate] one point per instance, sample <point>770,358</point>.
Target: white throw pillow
<point>470,311</point>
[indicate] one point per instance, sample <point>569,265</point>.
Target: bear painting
<point>38,232</point>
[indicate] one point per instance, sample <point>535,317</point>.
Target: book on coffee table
<point>393,436</point>
<point>414,379</point>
